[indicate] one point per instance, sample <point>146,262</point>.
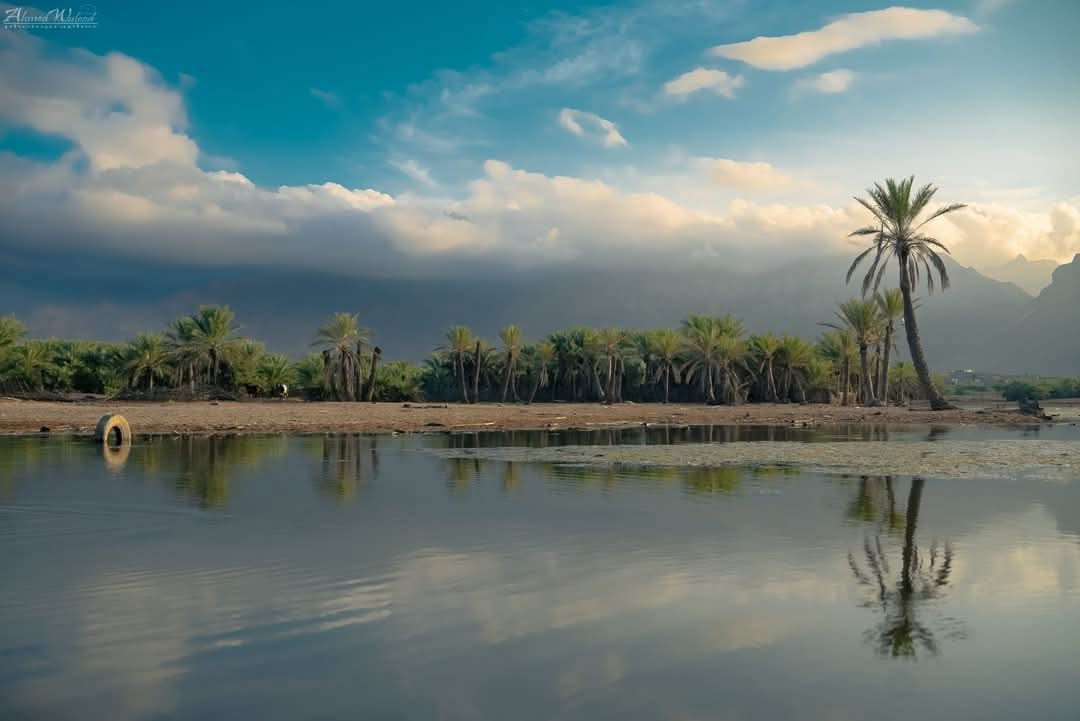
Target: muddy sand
<point>23,416</point>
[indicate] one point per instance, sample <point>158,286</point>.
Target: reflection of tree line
<point>656,435</point>
<point>922,578</point>
<point>462,472</point>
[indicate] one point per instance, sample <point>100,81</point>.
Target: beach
<point>295,416</point>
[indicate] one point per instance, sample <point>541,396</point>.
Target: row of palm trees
<point>709,359</point>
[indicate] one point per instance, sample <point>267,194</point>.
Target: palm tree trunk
<point>536,386</point>
<point>506,377</point>
<point>667,384</point>
<point>911,329</point>
<point>461,376</point>
<point>375,353</point>
<point>866,383</point>
<point>845,380</point>
<point>476,375</point>
<point>599,385</point>
<point>884,377</point>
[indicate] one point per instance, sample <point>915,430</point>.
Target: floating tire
<point>110,425</point>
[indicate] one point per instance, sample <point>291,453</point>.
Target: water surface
<point>365,577</point>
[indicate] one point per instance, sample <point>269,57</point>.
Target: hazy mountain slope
<point>1031,275</point>
<point>411,316</point>
<point>1046,339</point>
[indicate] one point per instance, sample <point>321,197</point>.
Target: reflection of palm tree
<point>346,467</point>
<point>900,633</point>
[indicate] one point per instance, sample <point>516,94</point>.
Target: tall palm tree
<point>543,356</point>
<point>897,233</point>
<point>340,337</point>
<point>510,336</point>
<point>147,357</point>
<point>458,344</point>
<point>862,319</point>
<point>664,346</point>
<point>890,307</point>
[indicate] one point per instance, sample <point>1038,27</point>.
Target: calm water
<point>360,577</point>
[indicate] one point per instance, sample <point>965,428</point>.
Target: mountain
<point>1031,275</point>
<point>1046,338</point>
<point>410,316</point>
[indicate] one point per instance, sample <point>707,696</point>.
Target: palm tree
<point>898,234</point>
<point>147,357</point>
<point>11,330</point>
<point>890,307</point>
<point>458,344</point>
<point>543,356</point>
<point>376,354</point>
<point>862,319</point>
<point>340,337</point>
<point>275,369</point>
<point>28,362</point>
<point>214,336</point>
<point>765,349</point>
<point>664,346</point>
<point>838,347</point>
<point>731,354</point>
<point>795,359</point>
<point>183,352</point>
<point>511,341</point>
<point>612,342</point>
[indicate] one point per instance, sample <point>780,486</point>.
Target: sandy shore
<point>18,416</point>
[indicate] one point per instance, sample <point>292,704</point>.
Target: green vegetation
<point>1037,390</point>
<point>710,359</point>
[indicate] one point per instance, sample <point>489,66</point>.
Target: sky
<point>400,139</point>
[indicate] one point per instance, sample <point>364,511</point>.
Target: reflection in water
<point>349,461</point>
<point>204,465</point>
<point>922,579</point>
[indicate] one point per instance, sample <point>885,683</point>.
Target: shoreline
<point>28,417</point>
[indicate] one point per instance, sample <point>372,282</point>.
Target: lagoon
<point>456,576</point>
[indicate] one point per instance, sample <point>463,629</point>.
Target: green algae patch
<point>1028,459</point>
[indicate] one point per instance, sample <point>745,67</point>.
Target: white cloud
<point>716,81</point>
<point>416,171</point>
<point>831,82</point>
<point>114,107</point>
<point>602,129</point>
<point>327,98</point>
<point>856,30</point>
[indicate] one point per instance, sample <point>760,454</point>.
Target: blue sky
<point>527,133</point>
